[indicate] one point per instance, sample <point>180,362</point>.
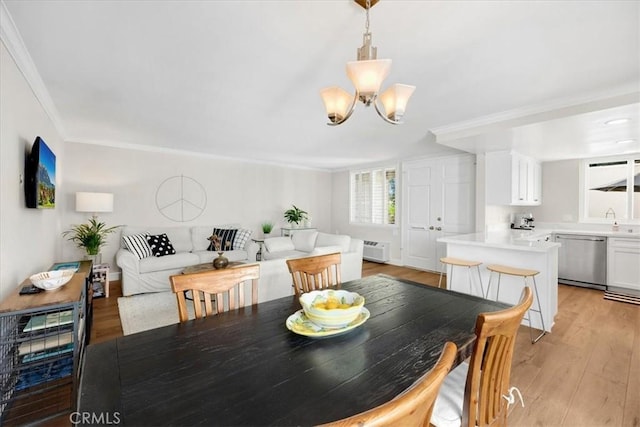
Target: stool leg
<point>470,284</point>
<point>480,281</point>
<point>489,284</point>
<point>441,273</point>
<point>539,310</point>
<point>498,291</point>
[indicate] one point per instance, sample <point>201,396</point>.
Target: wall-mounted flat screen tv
<point>40,176</point>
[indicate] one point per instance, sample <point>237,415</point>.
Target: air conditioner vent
<point>376,251</point>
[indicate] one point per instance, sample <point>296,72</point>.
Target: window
<point>373,196</point>
<point>612,190</point>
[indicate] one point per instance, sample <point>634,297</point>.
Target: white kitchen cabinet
<point>512,179</point>
<point>623,263</point>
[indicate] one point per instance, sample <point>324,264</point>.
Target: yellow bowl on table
<point>332,308</point>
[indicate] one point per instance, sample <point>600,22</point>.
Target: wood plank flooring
<point>585,373</point>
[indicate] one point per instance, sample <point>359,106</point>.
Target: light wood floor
<point>586,373</point>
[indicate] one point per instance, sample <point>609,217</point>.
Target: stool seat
<point>512,271</point>
<point>525,274</point>
<point>459,262</point>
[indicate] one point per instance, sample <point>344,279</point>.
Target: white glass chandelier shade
<point>394,100</point>
<point>367,77</point>
<point>337,102</point>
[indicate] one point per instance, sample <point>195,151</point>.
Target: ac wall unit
<point>376,251</point>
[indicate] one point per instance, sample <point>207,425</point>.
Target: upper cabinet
<point>512,179</point>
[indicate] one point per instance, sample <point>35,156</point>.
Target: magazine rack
<point>42,343</point>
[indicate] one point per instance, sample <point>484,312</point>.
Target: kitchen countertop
<point>523,240</point>
<point>527,240</point>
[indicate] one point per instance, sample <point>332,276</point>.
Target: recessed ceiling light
<point>617,121</point>
<point>625,141</point>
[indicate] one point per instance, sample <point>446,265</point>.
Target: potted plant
<point>267,228</point>
<point>91,237</point>
<point>295,215</point>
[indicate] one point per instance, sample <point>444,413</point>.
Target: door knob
<point>431,228</point>
<point>438,228</point>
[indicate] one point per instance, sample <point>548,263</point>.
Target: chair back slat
<point>490,366</point>
<point>223,284</point>
<point>314,273</point>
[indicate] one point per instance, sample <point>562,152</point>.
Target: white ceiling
<point>240,79</point>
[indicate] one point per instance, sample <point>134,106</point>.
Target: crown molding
<point>200,155</point>
<point>11,38</point>
<point>623,95</point>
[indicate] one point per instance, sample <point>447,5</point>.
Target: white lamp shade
<point>367,76</point>
<point>337,101</point>
<point>394,100</point>
<point>94,202</point>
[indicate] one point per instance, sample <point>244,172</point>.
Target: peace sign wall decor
<point>181,198</point>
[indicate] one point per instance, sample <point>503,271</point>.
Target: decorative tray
<point>299,323</point>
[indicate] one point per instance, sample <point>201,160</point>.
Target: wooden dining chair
<point>204,285</point>
<point>315,272</point>
<point>477,393</point>
<point>413,406</point>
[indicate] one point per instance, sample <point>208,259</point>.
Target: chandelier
<point>367,74</point>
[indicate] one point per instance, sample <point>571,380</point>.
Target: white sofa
<point>309,243</point>
<point>152,274</point>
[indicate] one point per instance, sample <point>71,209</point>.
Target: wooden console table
<point>42,347</point>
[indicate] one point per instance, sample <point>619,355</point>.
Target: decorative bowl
<point>50,280</point>
<point>332,308</point>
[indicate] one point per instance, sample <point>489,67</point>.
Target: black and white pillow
<point>160,245</point>
<point>242,236</point>
<point>225,235</point>
<point>137,244</point>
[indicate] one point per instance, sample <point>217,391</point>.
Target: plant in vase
<point>221,261</point>
<point>295,216</point>
<point>267,228</point>
<point>91,237</point>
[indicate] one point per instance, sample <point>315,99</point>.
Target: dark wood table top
<point>246,368</point>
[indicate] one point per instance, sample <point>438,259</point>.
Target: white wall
<point>237,192</point>
<point>29,238</point>
<point>560,192</point>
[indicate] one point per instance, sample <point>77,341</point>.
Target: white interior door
<point>439,200</point>
<point>421,184</point>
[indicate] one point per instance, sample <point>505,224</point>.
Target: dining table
<point>245,367</point>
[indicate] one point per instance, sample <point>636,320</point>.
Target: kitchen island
<point>514,248</point>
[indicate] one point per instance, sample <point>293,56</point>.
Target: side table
<point>101,274</point>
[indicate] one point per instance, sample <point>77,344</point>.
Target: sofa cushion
<point>277,244</point>
<point>180,237</point>
<point>226,236</point>
<point>324,250</point>
<point>208,256</point>
<point>160,245</point>
<point>169,262</point>
<point>325,239</point>
<point>242,237</point>
<point>304,240</point>
<point>284,254</point>
<point>137,244</point>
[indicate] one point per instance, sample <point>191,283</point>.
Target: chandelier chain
<point>366,24</point>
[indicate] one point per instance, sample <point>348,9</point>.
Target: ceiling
<point>241,79</point>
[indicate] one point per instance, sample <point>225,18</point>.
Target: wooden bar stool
<point>456,262</point>
<point>525,274</point>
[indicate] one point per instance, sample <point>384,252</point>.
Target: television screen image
<point>40,171</point>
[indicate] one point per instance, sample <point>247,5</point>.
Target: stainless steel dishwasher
<point>582,260</point>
